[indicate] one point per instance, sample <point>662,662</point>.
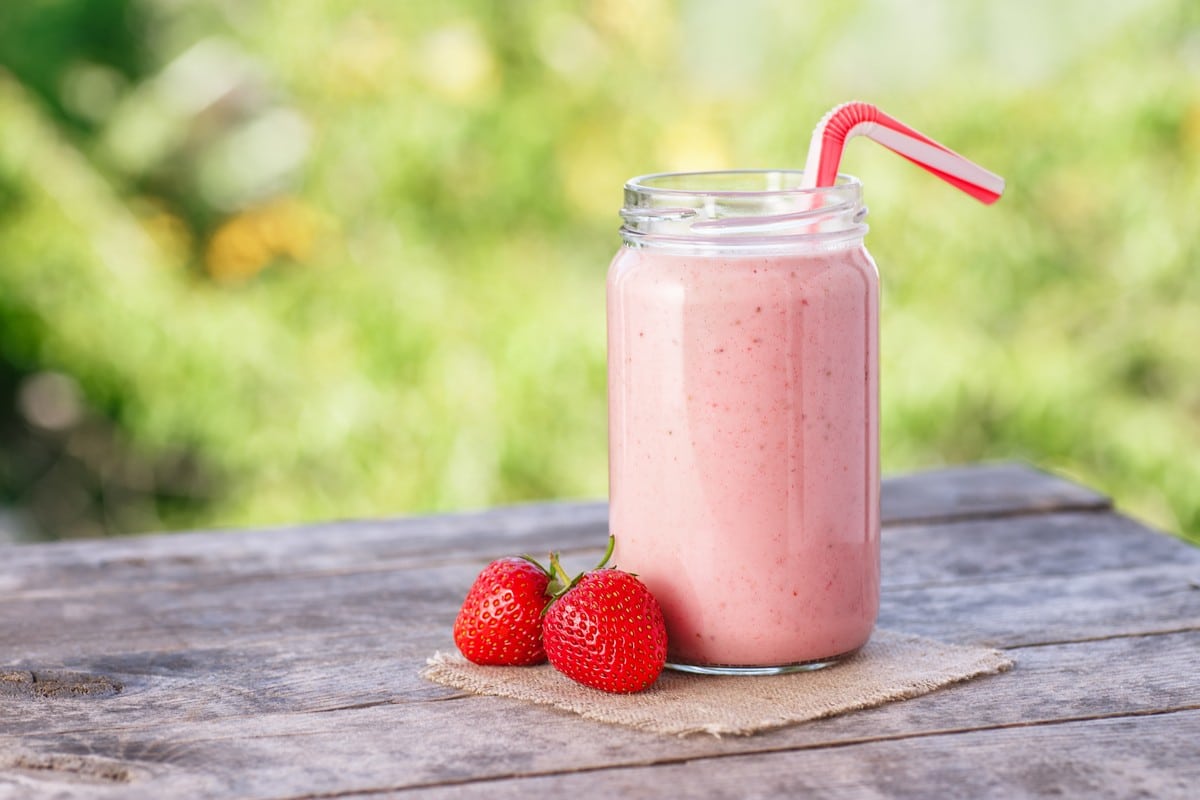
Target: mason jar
<point>743,379</point>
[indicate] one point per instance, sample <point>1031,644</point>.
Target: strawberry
<point>605,629</point>
<point>500,621</point>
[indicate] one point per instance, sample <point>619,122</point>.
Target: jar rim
<point>646,183</point>
<point>740,208</point>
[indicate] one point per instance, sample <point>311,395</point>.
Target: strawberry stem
<point>558,576</point>
<point>561,582</point>
<point>612,541</point>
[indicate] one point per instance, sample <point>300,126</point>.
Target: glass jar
<point>743,363</point>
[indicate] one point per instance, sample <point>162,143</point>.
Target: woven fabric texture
<point>893,666</point>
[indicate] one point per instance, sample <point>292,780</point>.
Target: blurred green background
<point>270,262</point>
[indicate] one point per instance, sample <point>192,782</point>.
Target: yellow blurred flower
<point>366,57</point>
<point>648,25</point>
<point>456,62</point>
<point>250,241</point>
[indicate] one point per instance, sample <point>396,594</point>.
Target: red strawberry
<point>500,622</point>
<point>605,630</point>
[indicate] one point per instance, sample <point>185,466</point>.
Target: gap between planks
<point>1104,638</point>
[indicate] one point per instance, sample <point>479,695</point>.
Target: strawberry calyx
<point>536,563</point>
<point>562,582</point>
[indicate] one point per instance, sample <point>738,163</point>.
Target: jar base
<point>772,669</point>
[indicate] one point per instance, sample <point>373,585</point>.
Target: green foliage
<point>332,259</point>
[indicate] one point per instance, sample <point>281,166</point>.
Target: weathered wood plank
<point>419,609</point>
<point>1040,610</point>
<point>1041,545</point>
<point>919,554</point>
<point>357,545</point>
<point>413,742</point>
<point>181,559</point>
<point>1032,574</point>
<point>982,490</point>
<point>1107,758</point>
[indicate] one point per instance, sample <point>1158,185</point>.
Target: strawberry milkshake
<point>743,404</point>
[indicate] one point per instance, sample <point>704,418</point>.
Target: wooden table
<point>284,664</point>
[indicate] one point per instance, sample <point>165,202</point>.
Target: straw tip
<point>993,192</point>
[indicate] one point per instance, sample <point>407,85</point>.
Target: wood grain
<point>183,559</point>
<point>284,663</point>
<point>1153,756</point>
<point>413,743</point>
<point>981,490</point>
<point>1024,567</point>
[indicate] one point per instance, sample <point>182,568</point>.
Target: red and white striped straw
<point>863,119</point>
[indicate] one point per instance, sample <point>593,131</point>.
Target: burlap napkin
<point>893,666</point>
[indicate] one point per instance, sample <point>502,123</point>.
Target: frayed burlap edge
<point>893,666</point>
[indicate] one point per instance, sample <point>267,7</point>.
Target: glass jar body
<point>743,425</point>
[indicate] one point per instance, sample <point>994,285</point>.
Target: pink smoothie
<point>744,473</point>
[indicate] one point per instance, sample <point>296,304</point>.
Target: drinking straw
<point>848,120</point>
